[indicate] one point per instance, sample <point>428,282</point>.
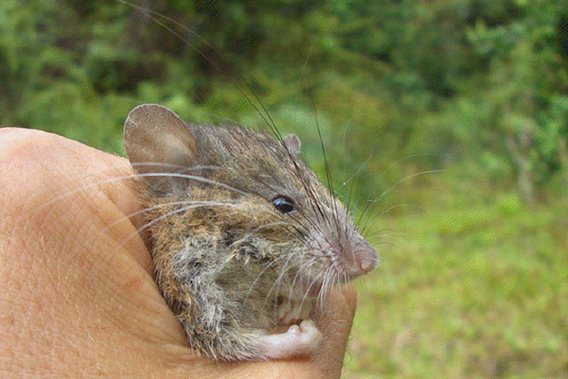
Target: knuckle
<point>27,175</point>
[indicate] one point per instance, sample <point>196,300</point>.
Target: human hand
<point>77,295</point>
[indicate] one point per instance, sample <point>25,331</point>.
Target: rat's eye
<point>283,203</point>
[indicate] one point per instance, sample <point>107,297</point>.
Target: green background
<point>446,121</point>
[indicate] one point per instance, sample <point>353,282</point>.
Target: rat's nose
<point>367,262</point>
<point>366,259</point>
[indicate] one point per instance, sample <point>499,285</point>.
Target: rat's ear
<point>158,142</point>
<point>293,144</point>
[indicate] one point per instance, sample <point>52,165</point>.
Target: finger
<point>335,321</point>
<point>69,281</point>
<point>69,172</point>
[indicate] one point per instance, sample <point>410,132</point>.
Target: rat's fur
<point>230,265</point>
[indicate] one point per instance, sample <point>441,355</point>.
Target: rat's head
<point>248,187</point>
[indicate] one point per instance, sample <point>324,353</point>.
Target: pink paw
<point>298,340</point>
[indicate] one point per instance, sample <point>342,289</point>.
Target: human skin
<point>77,294</point>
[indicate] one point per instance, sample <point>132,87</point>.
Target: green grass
<point>476,285</point>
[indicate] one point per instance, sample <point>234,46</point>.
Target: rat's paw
<point>298,340</point>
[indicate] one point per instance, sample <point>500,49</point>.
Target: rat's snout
<point>362,257</point>
<point>358,258</point>
<point>366,260</point>
<point>354,255</point>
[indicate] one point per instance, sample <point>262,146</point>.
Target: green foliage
<point>474,287</point>
<point>410,82</point>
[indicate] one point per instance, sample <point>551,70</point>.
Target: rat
<point>244,237</point>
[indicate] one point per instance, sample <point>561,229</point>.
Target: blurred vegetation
<point>472,289</point>
<point>480,82</point>
<point>475,90</point>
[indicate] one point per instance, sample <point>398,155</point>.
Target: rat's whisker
<point>327,283</point>
<point>252,233</point>
<point>85,188</point>
<point>114,179</point>
<point>194,178</point>
<point>307,291</point>
<point>270,265</point>
<point>165,205</point>
<point>283,273</point>
<point>175,166</point>
<point>396,185</point>
<point>199,204</point>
